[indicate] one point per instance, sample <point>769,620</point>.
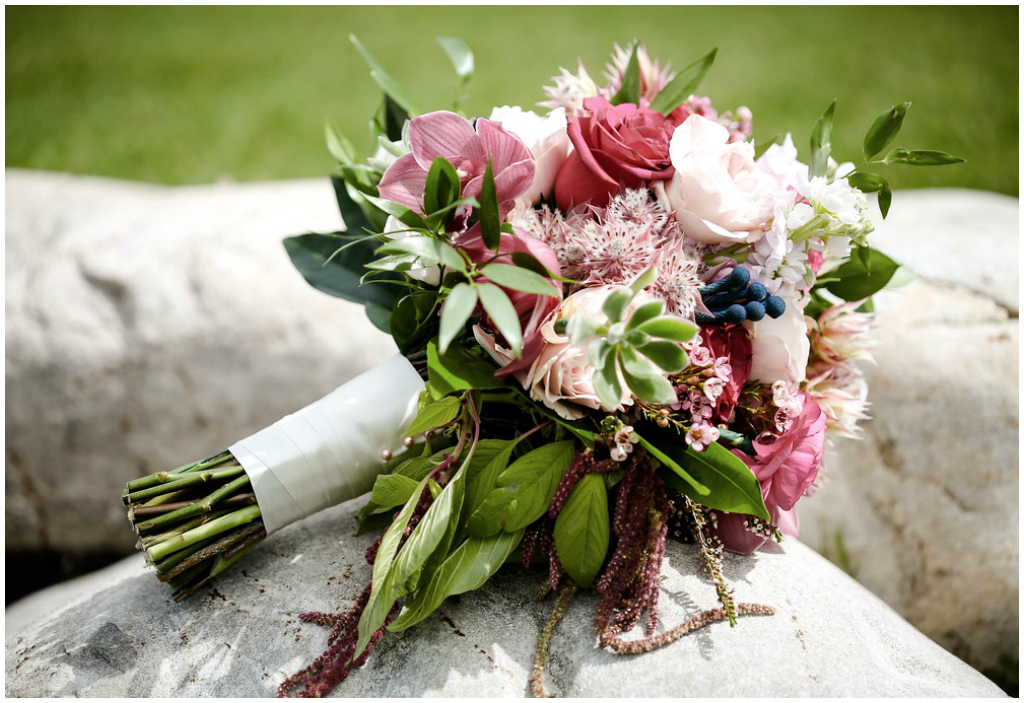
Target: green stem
<point>214,527</point>
<point>184,482</point>
<point>141,512</point>
<point>200,507</point>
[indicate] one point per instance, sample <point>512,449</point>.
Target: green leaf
<point>442,187</point>
<point>395,117</point>
<point>340,148</point>
<point>644,380</point>
<point>821,142</point>
<point>733,486</point>
<point>434,415</point>
<point>615,304</point>
<point>921,157</point>
<point>490,216</point>
<point>646,278</point>
<point>629,92</point>
<point>670,463</point>
<point>352,214</point>
<point>857,281</point>
<point>460,369</point>
<point>489,460</point>
<point>645,312</point>
<point>682,86</point>
<point>762,147</point>
<point>524,491</point>
<point>414,321</point>
<point>317,258</point>
<point>884,199</point>
<point>865,181</point>
<point>392,489</point>
<point>519,279</point>
<point>606,383</point>
<point>459,54</point>
<point>386,82</point>
<point>431,532</point>
<point>466,569</point>
<point>668,327</point>
<point>582,530</point>
<point>669,356</point>
<point>428,251</point>
<point>379,315</point>
<point>503,314</point>
<point>529,262</point>
<point>384,591</point>
<point>884,129</point>
<point>457,308</point>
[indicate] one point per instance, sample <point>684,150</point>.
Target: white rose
<point>546,138</point>
<point>780,347</point>
<point>717,189</point>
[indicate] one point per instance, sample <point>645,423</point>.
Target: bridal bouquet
<point>619,321</point>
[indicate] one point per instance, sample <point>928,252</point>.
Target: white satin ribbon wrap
<point>330,451</point>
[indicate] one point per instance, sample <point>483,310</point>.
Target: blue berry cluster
<point>735,299</point>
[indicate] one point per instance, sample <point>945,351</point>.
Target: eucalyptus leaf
<point>503,314</point>
<point>435,414</point>
<point>682,86</point>
<point>582,530</point>
<point>523,492</point>
<point>386,82</point>
<point>821,142</point>
<point>519,279</point>
<point>457,308</point>
<point>629,92</point>
<point>884,129</point>
<point>459,54</point>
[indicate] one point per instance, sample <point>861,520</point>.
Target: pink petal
<point>443,134</point>
<point>504,149</point>
<point>404,182</point>
<point>576,183</point>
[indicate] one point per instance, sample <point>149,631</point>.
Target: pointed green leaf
<point>392,489</point>
<point>386,82</point>
<point>460,369</point>
<point>414,320</point>
<point>761,147</point>
<point>682,86</point>
<point>459,54</point>
<point>456,311</point>
<point>489,461</point>
<point>582,530</point>
<point>865,181</point>
<point>733,486</point>
<point>646,278</point>
<point>340,147</point>
<point>884,199</point>
<point>442,187</point>
<point>519,279</point>
<point>317,258</point>
<point>434,415</point>
<point>921,157</point>
<point>884,129</point>
<point>429,251</point>
<point>524,491</point>
<point>856,281</point>
<point>529,262</point>
<point>490,216</point>
<point>629,92</point>
<point>821,142</point>
<point>679,471</point>
<point>503,314</point>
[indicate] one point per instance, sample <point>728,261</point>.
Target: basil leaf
<point>435,414</point>
<point>460,369</point>
<point>524,491</point>
<point>582,530</point>
<point>392,489</point>
<point>682,86</point>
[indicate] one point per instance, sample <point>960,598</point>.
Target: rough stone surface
<point>829,637</point>
<point>148,326</point>
<point>926,506</point>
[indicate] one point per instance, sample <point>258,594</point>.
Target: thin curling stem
<point>541,658</point>
<point>620,646</point>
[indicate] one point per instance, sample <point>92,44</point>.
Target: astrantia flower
<point>679,276</point>
<point>468,149</point>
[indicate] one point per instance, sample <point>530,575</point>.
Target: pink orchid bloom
<point>448,136</point>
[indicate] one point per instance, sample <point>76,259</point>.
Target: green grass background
<point>193,95</point>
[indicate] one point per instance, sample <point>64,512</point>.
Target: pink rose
<point>468,149</point>
<point>617,146</point>
<point>786,469</point>
<point>780,347</point>
<point>716,189</point>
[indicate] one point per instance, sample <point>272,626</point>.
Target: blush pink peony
<point>780,347</point>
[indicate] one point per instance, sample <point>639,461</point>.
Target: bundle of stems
<point>195,521</point>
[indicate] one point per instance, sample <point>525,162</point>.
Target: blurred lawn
<point>193,94</point>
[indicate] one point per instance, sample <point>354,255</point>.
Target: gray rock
<point>241,637</point>
<point>149,326</point>
<point>924,511</point>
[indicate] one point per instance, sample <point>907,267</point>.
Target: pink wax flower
<point>533,309</point>
<point>448,136</point>
<point>786,469</point>
<point>616,147</point>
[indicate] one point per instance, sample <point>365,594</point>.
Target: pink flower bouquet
<point>621,313</point>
